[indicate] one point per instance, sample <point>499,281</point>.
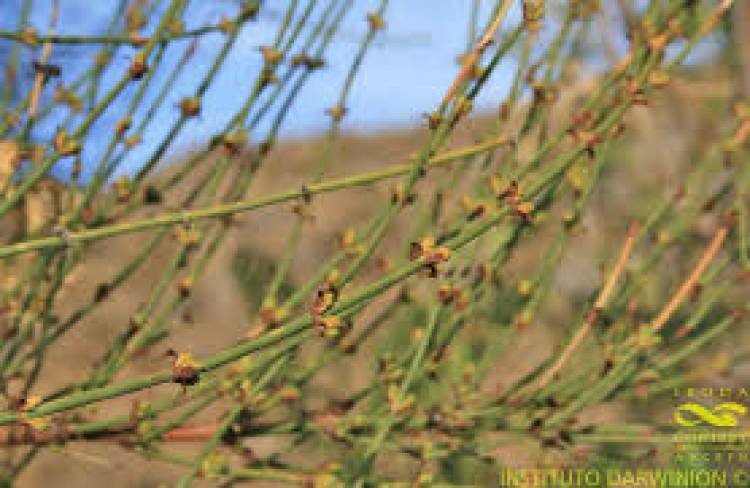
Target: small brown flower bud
<point>132,140</point>
<point>533,12</point>
<point>329,326</point>
<point>446,294</point>
<point>325,298</point>
<point>336,112</point>
<point>138,66</point>
<point>346,239</point>
<point>434,119</point>
<point>187,235</point>
<point>226,25</point>
<point>185,370</point>
<point>123,188</point>
<point>190,107</point>
<point>376,21</point>
<point>271,56</point>
<point>122,126</point>
<point>185,287</point>
<point>524,210</point>
<point>473,208</point>
<point>66,145</point>
<point>235,141</point>
<point>419,249</point>
<point>439,255</point>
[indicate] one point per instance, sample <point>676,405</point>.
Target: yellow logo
<point>722,415</point>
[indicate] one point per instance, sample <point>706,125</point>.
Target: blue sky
<point>404,75</point>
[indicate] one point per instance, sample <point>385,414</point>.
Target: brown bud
<point>226,25</point>
<point>336,112</point>
<point>122,126</point>
<point>185,369</point>
<point>434,120</point>
<point>66,145</point>
<point>235,141</point>
<point>191,106</point>
<point>325,298</point>
<point>271,56</point>
<point>138,66</point>
<point>185,287</point>
<point>376,21</point>
<point>524,210</point>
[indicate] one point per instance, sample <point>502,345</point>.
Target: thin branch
<point>473,58</point>
<point>40,76</point>
<point>52,38</point>
<point>599,305</point>
<point>687,286</point>
<point>241,206</point>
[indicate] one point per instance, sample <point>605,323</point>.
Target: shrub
<point>440,328</point>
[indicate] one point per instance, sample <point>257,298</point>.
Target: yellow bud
<point>185,360</point>
<point>524,288</point>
